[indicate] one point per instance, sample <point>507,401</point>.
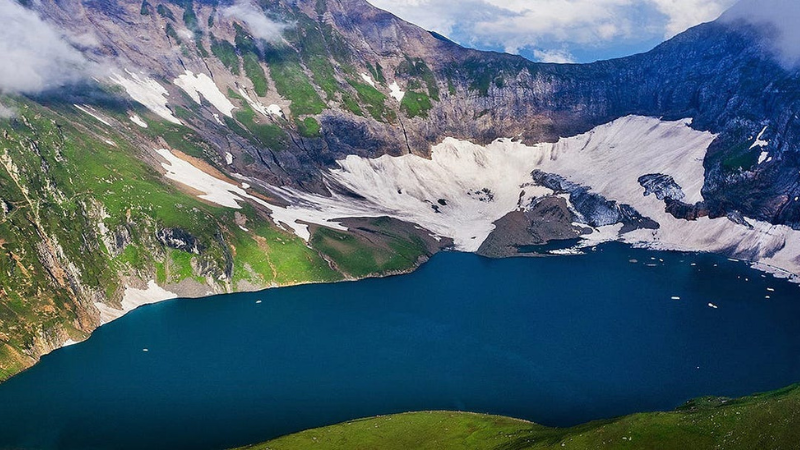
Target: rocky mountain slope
<point>216,147</point>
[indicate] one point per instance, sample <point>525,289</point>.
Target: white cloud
<point>35,55</point>
<point>683,14</point>
<point>551,25</point>
<point>553,56</point>
<point>6,112</point>
<point>779,19</point>
<point>259,25</point>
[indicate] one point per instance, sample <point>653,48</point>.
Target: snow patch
<point>147,92</point>
<point>214,190</point>
<point>396,92</point>
<point>134,298</point>
<point>267,111</point>
<point>758,142</point>
<point>228,158</point>
<point>763,157</point>
<point>202,85</point>
<point>366,77</point>
<point>92,112</point>
<point>229,195</point>
<point>138,121</point>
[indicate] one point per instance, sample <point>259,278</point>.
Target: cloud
<point>6,112</point>
<point>554,56</point>
<point>549,27</point>
<point>259,25</point>
<point>779,20</point>
<point>35,55</point>
<point>683,14</point>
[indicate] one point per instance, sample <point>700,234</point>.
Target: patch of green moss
<point>309,127</point>
<point>165,12</point>
<point>292,82</point>
<point>415,104</point>
<point>254,71</point>
<point>226,53</point>
<point>373,99</point>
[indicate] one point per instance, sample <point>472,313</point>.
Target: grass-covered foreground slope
<point>764,421</point>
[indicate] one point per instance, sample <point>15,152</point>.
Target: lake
<point>558,340</point>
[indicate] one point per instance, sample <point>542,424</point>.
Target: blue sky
<point>558,30</point>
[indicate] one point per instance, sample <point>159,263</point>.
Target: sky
<point>558,30</point>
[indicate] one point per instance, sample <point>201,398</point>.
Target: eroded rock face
<point>547,219</point>
<point>662,186</point>
<point>593,209</point>
<point>179,239</point>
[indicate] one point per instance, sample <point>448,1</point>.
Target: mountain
<point>217,147</point>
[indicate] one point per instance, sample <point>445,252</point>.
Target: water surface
<point>554,340</point>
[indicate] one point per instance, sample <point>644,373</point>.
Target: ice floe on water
<point>202,85</point>
<point>146,91</point>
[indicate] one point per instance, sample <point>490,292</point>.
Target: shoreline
<point>759,266</point>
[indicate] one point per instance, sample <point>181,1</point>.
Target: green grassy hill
<point>763,421</point>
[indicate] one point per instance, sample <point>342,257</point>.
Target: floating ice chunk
<point>202,85</point>
<point>711,305</point>
<point>675,297</point>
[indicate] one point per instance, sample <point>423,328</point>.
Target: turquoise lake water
<point>557,340</point>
